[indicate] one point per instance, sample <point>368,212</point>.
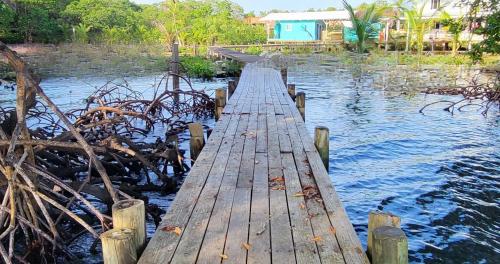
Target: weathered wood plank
<point>259,233</point>
<point>215,237</point>
<point>345,233</point>
<point>328,246</point>
<point>237,234</point>
<point>162,246</point>
<point>303,237</point>
<point>194,232</point>
<point>281,235</point>
<point>248,196</point>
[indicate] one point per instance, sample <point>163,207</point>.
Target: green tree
<point>39,20</point>
<point>113,18</point>
<point>488,12</point>
<point>363,24</point>
<point>7,16</point>
<point>491,33</point>
<point>455,27</point>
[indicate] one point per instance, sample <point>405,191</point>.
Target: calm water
<point>439,173</point>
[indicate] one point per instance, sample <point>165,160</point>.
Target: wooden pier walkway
<point>258,192</point>
<point>233,55</point>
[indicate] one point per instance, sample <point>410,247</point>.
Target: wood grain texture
<point>258,191</point>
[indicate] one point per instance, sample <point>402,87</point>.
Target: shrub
<point>198,67</point>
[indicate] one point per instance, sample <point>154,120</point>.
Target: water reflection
<point>438,172</point>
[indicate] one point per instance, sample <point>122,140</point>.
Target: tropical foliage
<point>363,24</point>
<point>199,22</point>
<point>455,26</point>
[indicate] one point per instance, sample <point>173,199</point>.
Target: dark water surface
<point>438,172</point>
<point>69,93</point>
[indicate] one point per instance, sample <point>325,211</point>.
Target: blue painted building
<point>298,30</point>
<point>301,26</point>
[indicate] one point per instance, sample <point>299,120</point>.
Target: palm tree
<point>363,25</point>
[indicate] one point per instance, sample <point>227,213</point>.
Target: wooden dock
<point>258,192</point>
<point>231,54</point>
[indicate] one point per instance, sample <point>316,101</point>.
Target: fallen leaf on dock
<point>222,256</point>
<point>246,246</point>
<point>280,188</point>
<point>302,206</point>
<point>177,230</point>
<point>299,194</point>
<point>278,179</point>
<point>317,238</point>
<point>332,230</point>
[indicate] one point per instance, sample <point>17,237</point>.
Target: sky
<point>263,5</point>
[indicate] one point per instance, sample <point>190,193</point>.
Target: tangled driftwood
<point>484,95</point>
<point>52,163</point>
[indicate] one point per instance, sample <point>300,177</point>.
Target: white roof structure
<point>324,15</point>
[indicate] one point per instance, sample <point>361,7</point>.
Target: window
<point>288,27</point>
<point>435,4</point>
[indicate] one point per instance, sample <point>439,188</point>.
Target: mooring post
<point>300,101</point>
<point>118,246</point>
<point>131,214</point>
<point>175,71</point>
<point>220,102</point>
<point>231,87</point>
<point>197,140</point>
<point>390,246</point>
<point>322,143</point>
<point>284,75</point>
<point>291,90</point>
<point>377,219</point>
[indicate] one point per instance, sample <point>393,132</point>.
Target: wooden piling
<point>284,75</point>
<point>300,101</point>
<point>118,246</point>
<point>390,246</point>
<point>174,67</point>
<point>322,143</point>
<point>378,219</point>
<point>197,140</point>
<point>291,90</point>
<point>220,102</point>
<point>131,214</point>
<point>231,87</point>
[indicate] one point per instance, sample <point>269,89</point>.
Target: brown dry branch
<point>55,167</point>
<point>484,95</point>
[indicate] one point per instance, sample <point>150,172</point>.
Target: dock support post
<point>300,101</point>
<point>291,90</point>
<point>377,219</point>
<point>231,87</point>
<point>390,246</point>
<point>322,143</point>
<point>197,140</point>
<point>284,75</point>
<point>175,71</point>
<point>220,102</point>
<point>131,214</point>
<point>118,246</point>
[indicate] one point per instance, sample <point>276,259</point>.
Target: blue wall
<point>349,34</point>
<point>297,30</point>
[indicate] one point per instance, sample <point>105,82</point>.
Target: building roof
<point>324,15</point>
